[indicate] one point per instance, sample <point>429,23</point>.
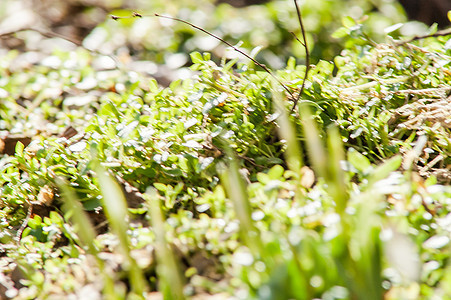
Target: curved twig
<point>307,54</point>
<point>265,68</point>
<point>51,34</point>
<point>422,37</point>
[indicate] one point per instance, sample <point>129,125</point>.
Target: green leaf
<point>153,86</point>
<point>178,188</point>
<point>207,56</point>
<point>91,204</point>
<point>291,63</point>
<point>382,171</point>
<point>160,186</point>
<point>173,172</point>
<point>433,29</point>
<point>276,172</point>
<point>263,178</point>
<point>340,33</point>
<point>56,218</point>
<point>348,22</point>
<point>109,109</point>
<point>358,161</point>
<point>19,149</point>
<point>196,57</point>
<point>35,222</point>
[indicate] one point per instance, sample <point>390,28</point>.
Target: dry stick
<point>45,33</point>
<point>231,46</point>
<point>307,54</point>
<point>135,14</point>
<point>421,37</point>
<point>51,34</point>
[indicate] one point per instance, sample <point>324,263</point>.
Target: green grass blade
<point>315,146</point>
<point>115,206</point>
<point>171,281</point>
<point>236,191</point>
<point>86,233</point>
<point>287,132</point>
<point>336,176</point>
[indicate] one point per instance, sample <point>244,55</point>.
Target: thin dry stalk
<point>422,37</point>
<point>51,34</point>
<point>265,68</point>
<point>307,54</point>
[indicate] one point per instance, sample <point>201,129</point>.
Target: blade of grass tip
<point>293,153</point>
<point>171,282</point>
<point>315,147</point>
<point>86,232</point>
<point>335,172</point>
<point>115,207</point>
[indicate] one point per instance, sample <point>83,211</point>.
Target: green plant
<point>213,186</point>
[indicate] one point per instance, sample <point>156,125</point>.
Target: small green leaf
<point>153,86</point>
<point>340,33</point>
<point>382,171</point>
<point>109,109</point>
<point>359,161</point>
<point>207,56</point>
<point>276,172</point>
<point>431,180</point>
<point>160,186</point>
<point>263,178</point>
<point>56,218</point>
<point>91,204</point>
<point>173,172</point>
<point>35,222</point>
<point>196,57</point>
<point>348,22</point>
<point>291,63</point>
<point>19,149</point>
<point>178,188</point>
<point>137,211</point>
<point>433,29</point>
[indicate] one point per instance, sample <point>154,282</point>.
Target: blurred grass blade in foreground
<point>171,282</point>
<point>115,207</point>
<point>86,233</point>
